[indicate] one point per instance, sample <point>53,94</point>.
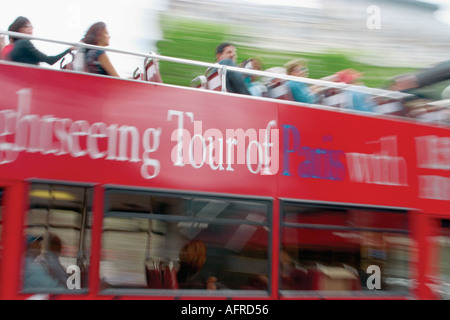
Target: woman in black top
<point>24,51</point>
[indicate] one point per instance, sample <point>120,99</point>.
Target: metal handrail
<point>329,84</point>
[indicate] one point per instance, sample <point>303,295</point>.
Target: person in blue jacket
<point>301,92</point>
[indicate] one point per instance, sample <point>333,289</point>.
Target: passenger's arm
<point>39,56</point>
<point>107,65</point>
<point>438,73</point>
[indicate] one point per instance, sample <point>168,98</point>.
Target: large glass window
<point>57,235</point>
<point>154,240</point>
<point>341,249</point>
<point>2,193</point>
<point>442,242</point>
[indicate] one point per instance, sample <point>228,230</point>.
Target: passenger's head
<point>226,51</point>
<point>252,63</point>
<point>193,255</point>
<point>34,245</point>
<point>54,243</point>
<point>297,67</point>
<point>22,25</point>
<point>97,35</point>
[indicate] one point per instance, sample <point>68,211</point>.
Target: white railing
<point>223,68</point>
<point>390,96</point>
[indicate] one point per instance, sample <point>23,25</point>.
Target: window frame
<point>232,293</point>
<point>341,206</point>
<point>86,224</point>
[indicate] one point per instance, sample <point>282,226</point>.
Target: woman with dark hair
<point>16,26</point>
<point>97,61</point>
<point>24,51</point>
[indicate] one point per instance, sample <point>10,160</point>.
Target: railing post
<point>224,78</point>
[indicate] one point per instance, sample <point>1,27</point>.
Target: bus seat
<point>160,275</point>
<point>279,90</point>
<point>199,82</point>
<point>435,114</point>
<point>336,98</point>
<point>137,74</point>
<point>431,111</point>
<point>151,70</point>
<point>389,106</point>
<point>214,79</point>
<point>67,66</point>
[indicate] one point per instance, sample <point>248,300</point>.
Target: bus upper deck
<point>258,197</point>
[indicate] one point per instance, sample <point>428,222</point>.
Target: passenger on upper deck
<point>437,73</point>
<point>97,61</point>
<point>226,55</point>
<point>255,87</point>
<point>16,26</point>
<point>357,100</point>
<point>301,92</point>
<point>24,51</point>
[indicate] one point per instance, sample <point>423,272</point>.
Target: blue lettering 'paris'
<point>317,163</point>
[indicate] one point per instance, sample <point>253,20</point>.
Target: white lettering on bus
<point>383,168</point>
<point>21,131</point>
<point>434,187</point>
<point>433,152</point>
<point>257,149</point>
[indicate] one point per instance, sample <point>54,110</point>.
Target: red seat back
<point>151,70</point>
<point>214,79</point>
<point>280,90</point>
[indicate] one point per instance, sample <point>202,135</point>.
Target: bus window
<point>443,243</point>
<point>341,249</point>
<point>172,241</point>
<point>57,234</point>
<point>2,192</point>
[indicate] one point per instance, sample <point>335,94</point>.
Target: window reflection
<point>2,193</point>
<point>184,242</point>
<point>335,249</point>
<point>442,283</point>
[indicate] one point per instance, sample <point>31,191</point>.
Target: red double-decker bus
<point>121,188</point>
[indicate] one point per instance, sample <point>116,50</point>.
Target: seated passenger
<point>49,259</point>
<point>255,87</point>
<point>358,100</point>
<point>192,260</point>
<point>301,92</point>
<point>24,51</point>
<point>97,61</point>
<point>226,55</point>
<point>35,275</point>
<point>277,87</point>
